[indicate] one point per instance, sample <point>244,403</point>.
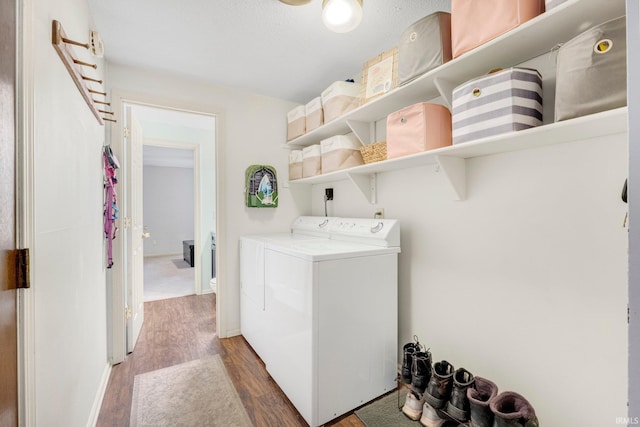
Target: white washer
<point>330,316</point>
<point>253,319</point>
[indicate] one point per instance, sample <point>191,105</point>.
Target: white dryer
<point>330,310</point>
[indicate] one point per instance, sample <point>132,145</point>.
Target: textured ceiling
<point>262,46</point>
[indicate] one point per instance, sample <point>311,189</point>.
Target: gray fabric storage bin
<point>592,71</point>
<point>550,4</point>
<point>423,46</point>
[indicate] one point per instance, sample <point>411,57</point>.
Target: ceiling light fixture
<point>341,16</point>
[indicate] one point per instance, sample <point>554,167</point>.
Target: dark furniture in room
<point>187,251</point>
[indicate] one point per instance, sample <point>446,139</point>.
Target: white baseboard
<point>233,333</point>
<point>97,403</point>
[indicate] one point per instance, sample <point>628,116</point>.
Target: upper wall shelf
<point>534,38</point>
<point>452,159</point>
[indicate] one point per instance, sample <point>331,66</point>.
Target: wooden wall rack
<point>74,66</point>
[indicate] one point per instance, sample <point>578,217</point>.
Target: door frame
<point>197,244</point>
<point>117,291</point>
<point>25,218</point>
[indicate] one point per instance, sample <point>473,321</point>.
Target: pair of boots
<point>447,392</point>
<point>490,409</point>
<point>445,388</point>
<point>416,366</point>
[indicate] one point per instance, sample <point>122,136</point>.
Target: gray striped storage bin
<point>500,102</point>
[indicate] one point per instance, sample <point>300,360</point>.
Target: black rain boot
<point>439,387</point>
<point>408,351</point>
<point>458,405</point>
<point>512,410</point>
<point>480,396</point>
<point>420,371</point>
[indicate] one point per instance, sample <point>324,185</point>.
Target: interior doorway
<point>184,131</point>
<point>169,180</point>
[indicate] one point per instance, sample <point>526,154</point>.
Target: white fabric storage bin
<point>340,152</point>
<point>311,161</point>
<point>340,98</point>
<point>295,164</point>
<point>314,114</point>
<point>296,122</point>
<point>505,101</point>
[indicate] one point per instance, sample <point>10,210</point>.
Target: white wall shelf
<point>534,38</point>
<point>451,160</point>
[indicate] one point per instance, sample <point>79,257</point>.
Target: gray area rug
<point>386,412</point>
<point>193,394</point>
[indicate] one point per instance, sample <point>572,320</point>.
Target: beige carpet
<point>167,276</point>
<point>194,394</point>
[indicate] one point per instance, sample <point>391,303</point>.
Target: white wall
<point>251,129</point>
<point>524,282</point>
<point>168,208</point>
<point>68,255</point>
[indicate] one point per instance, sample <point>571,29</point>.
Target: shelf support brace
<point>367,184</point>
<point>362,130</point>
<point>445,88</point>
<point>454,169</point>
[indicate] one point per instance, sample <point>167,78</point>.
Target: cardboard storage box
<point>296,123</point>
<point>425,45</point>
<point>419,127</point>
<point>379,75</point>
<point>340,152</point>
<point>339,98</point>
<point>311,161</point>
<point>504,101</point>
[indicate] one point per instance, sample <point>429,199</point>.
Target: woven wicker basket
<point>374,152</point>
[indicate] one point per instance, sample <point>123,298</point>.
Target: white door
<point>135,272</point>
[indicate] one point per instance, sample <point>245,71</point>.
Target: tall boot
<point>439,388</point>
<point>458,405</point>
<point>437,394</point>
<point>420,371</point>
<point>408,351</point>
<point>512,410</point>
<point>480,395</point>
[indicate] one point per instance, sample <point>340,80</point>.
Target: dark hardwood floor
<point>179,330</point>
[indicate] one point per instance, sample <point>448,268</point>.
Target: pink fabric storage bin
<point>475,22</point>
<point>416,128</point>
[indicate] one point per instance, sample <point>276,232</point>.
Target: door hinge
<point>22,258</point>
<point>126,222</point>
<point>127,313</point>
<point>126,132</point>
